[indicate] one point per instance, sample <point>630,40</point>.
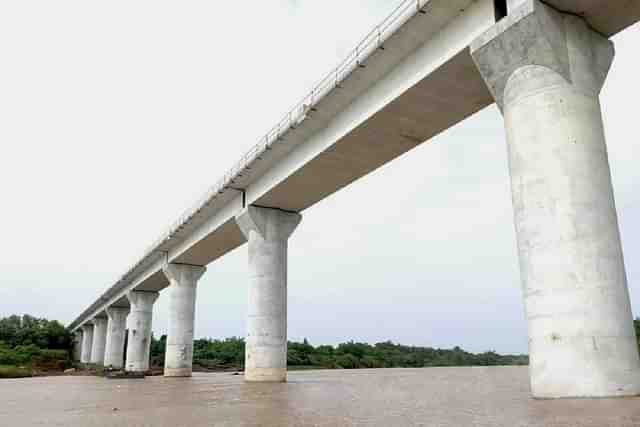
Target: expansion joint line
<point>187,264</point>
<point>244,195</point>
<point>275,208</point>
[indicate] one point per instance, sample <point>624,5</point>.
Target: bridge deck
<point>410,79</point>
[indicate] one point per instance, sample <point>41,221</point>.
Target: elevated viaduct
<point>428,66</point>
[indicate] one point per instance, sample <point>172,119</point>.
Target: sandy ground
<point>442,397</point>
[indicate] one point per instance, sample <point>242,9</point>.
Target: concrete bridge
<point>428,66</point>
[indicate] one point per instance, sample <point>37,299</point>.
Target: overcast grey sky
<point>115,116</point>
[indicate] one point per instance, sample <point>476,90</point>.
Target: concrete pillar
<point>139,338</point>
<point>545,70</point>
<point>182,305</point>
<point>77,345</point>
<point>116,330</point>
<point>87,342</point>
<point>99,340</point>
<point>267,231</point>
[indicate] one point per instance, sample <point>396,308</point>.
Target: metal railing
<point>373,41</point>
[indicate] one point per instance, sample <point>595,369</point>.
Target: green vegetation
<point>156,350</point>
<point>29,344</point>
<point>353,355</point>
<point>14,372</point>
<point>229,354</point>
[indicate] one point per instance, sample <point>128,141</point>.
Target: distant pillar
<point>182,305</point>
<point>545,70</point>
<point>116,330</point>
<point>267,231</point>
<point>77,346</point>
<point>99,340</point>
<point>139,338</point>
<point>87,342</point>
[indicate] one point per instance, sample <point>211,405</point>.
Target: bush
<point>9,357</point>
<point>19,355</point>
<point>48,355</point>
<point>217,354</point>
<point>14,372</point>
<point>348,361</point>
<point>34,343</point>
<point>51,359</point>
<point>157,350</point>
<point>28,330</point>
<point>227,352</point>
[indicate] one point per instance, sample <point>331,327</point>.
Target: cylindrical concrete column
<point>99,340</point>
<point>139,338</point>
<point>267,231</point>
<point>178,359</point>
<point>87,342</point>
<point>546,70</point>
<point>77,346</point>
<point>116,330</point>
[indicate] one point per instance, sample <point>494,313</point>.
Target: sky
<point>116,116</point>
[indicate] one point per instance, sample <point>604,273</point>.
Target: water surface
<point>444,397</point>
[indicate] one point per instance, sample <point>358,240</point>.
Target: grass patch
<point>7,371</point>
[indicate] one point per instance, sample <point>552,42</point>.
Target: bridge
<point>430,65</point>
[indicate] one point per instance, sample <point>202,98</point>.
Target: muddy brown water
<point>444,397</point>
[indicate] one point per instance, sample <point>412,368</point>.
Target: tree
<point>43,333</point>
<point>216,354</point>
<point>157,350</point>
<point>33,343</point>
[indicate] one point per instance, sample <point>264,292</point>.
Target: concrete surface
<point>140,323</point>
<point>116,334</point>
<point>423,82</point>
<point>442,397</point>
<point>545,70</point>
<point>394,94</point>
<point>420,84</point>
<point>99,340</point>
<point>267,231</point>
<point>77,345</point>
<point>182,309</point>
<point>87,342</point>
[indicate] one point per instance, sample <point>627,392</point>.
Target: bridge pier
<point>545,70</point>
<point>99,340</point>
<point>87,343</point>
<point>77,346</point>
<point>139,337</point>
<point>267,232</point>
<point>116,330</point>
<point>182,305</point>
